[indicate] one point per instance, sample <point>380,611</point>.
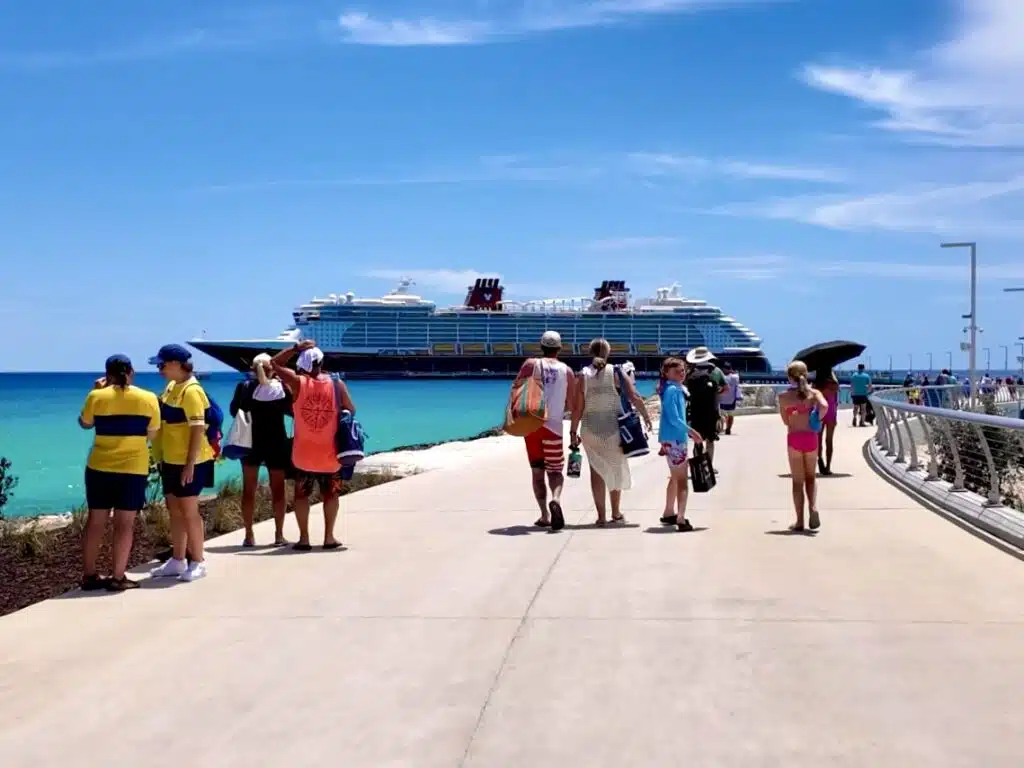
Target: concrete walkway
<point>454,634</point>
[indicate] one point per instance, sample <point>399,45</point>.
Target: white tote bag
<point>239,441</point>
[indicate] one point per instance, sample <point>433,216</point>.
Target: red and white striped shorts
<point>545,451</point>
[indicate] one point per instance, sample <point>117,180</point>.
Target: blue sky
<point>206,165</point>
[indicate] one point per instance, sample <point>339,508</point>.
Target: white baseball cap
<point>551,340</point>
<point>309,357</point>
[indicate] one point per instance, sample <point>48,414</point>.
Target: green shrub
<point>8,483</point>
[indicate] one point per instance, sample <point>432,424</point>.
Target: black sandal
<point>300,547</point>
<point>618,519</point>
<point>795,528</point>
<point>542,523</point>
<point>668,519</point>
<point>93,583</point>
<point>814,520</point>
<point>333,545</point>
<point>121,584</point>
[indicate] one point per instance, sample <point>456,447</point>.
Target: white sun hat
<point>308,357</point>
<point>699,356</point>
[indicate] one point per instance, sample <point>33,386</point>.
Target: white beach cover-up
<point>600,428</point>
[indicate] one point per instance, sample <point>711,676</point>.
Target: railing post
<point>913,443</point>
<point>882,433</point>
<point>933,460</point>
<point>994,497</point>
<point>958,467</point>
<point>900,455</point>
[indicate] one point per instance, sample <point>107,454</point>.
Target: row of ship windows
<point>521,332</point>
<point>419,339</point>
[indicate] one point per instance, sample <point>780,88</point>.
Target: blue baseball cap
<point>118,361</point>
<point>171,353</point>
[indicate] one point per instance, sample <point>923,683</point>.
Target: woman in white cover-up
<point>597,406</point>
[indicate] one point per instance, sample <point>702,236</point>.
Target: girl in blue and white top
<point>674,435</point>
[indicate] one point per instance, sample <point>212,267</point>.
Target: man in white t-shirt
<point>544,448</point>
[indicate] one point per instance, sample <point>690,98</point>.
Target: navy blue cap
<point>171,353</point>
<point>118,361</point>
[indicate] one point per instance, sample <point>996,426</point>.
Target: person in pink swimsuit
<point>825,382</point>
<point>796,406</point>
<point>316,398</point>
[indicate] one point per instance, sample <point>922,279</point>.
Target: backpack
<point>703,400</point>
<point>527,409</point>
<point>214,418</point>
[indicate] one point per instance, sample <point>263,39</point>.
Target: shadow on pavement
<point>787,532</point>
<point>834,475</point>
<point>673,529</point>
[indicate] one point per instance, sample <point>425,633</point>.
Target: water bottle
<point>575,465</point>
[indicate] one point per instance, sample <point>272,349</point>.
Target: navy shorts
<point>114,490</point>
<point>860,399</point>
<point>727,407</point>
<point>170,476</point>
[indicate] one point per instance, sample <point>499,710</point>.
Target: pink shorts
<point>804,442</point>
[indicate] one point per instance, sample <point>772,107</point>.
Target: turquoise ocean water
<point>39,429</point>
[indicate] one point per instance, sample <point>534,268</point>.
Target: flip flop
<point>542,523</point>
<point>600,523</point>
<point>281,542</point>
<point>300,547</point>
<point>619,519</point>
<point>794,528</point>
<point>668,519</point>
<point>557,518</point>
<point>333,545</point>
<point>248,543</point>
<point>814,520</point>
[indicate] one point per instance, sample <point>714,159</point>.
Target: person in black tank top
<point>267,402</point>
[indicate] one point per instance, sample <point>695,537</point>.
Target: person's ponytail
<point>261,374</point>
<point>601,350</point>
<point>118,378</point>
<point>803,388</point>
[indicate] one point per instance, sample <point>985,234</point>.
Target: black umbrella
<point>829,354</point>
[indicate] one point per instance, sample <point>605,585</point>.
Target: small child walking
<point>674,434</point>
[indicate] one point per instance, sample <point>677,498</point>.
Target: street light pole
<point>988,359</point>
<point>949,353</point>
<point>1020,359</point>
<point>910,355</point>
<point>890,363</point>
<point>929,362</point>
<point>1006,357</point>
<point>971,360</point>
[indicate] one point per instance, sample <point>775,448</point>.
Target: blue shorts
<point>114,490</point>
<point>727,407</point>
<point>170,476</point>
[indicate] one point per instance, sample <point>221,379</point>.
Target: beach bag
<point>632,438</point>
<point>349,438</point>
<point>239,442</point>
<point>702,475</point>
<point>527,408</point>
<point>814,420</point>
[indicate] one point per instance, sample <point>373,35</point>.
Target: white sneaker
<point>194,571</point>
<point>171,569</point>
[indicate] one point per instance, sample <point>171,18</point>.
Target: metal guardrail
<point>765,397</point>
<point>964,455</point>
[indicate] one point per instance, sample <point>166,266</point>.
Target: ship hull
<point>367,366</point>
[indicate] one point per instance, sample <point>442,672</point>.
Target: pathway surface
<point>454,634</point>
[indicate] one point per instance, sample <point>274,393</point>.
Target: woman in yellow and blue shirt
<point>186,461</point>
<point>125,419</point>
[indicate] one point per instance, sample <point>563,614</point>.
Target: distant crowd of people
<point>183,427</point>
<point>697,398</point>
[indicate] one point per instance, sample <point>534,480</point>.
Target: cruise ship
<point>403,334</point>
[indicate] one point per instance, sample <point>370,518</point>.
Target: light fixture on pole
<point>971,361</point>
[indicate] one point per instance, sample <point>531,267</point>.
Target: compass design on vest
<point>317,409</point>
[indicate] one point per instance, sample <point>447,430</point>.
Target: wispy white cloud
<point>637,243</point>
<point>751,268</point>
<point>964,91</point>
<point>486,170</point>
<point>938,270</point>
<point>655,164</point>
<point>360,28</point>
<point>226,32</point>
<point>443,280</point>
<point>936,208</point>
